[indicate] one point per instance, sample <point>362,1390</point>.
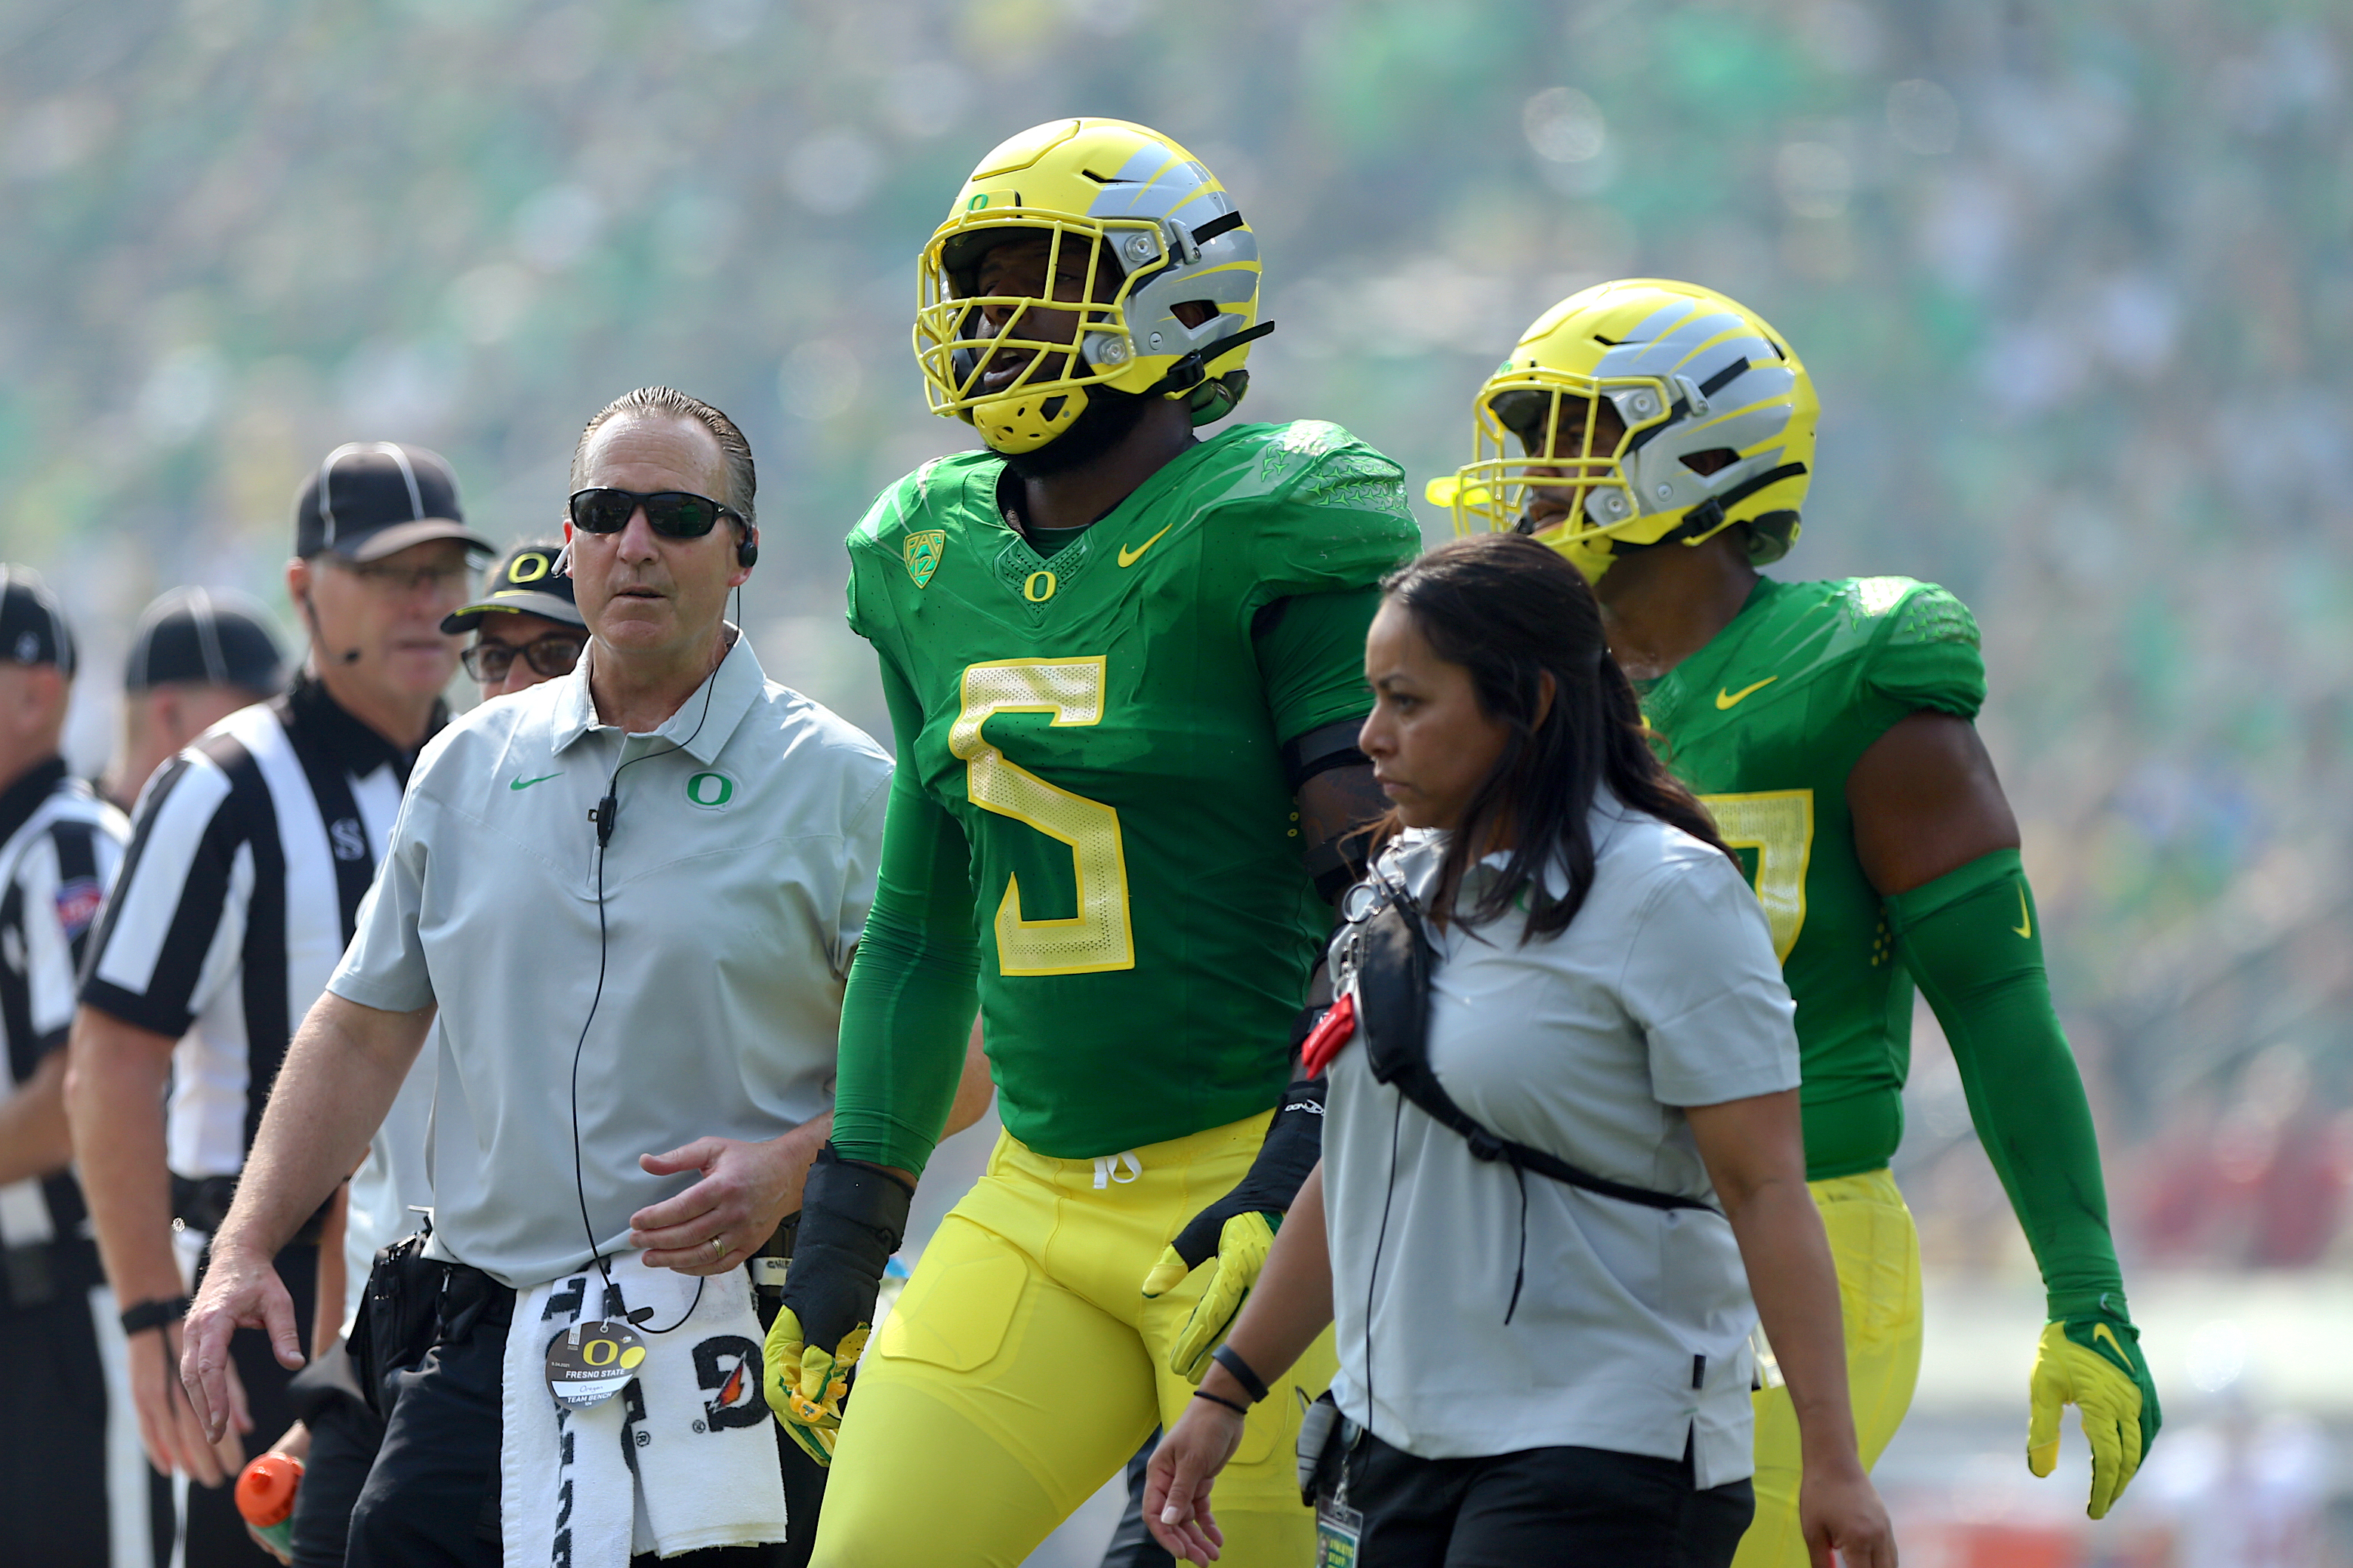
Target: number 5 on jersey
<point>1072,691</point>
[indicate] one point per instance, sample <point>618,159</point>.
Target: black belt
<point>41,1271</point>
<point>203,1204</point>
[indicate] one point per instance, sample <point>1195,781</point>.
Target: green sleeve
<point>1312,659</point>
<point>1929,657</point>
<point>911,992</point>
<point>1971,940</point>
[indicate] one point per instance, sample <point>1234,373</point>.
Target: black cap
<point>524,582</point>
<point>370,499</point>
<point>204,636</point>
<point>32,626</point>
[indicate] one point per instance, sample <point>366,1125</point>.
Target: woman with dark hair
<point>1537,1231</point>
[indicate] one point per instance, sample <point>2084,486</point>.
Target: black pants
<point>344,1435</point>
<point>214,1530</point>
<point>432,1499</point>
<point>1565,1507</point>
<point>53,1497</point>
<point>1131,1545</point>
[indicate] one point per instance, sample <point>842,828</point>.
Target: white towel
<point>681,1458</point>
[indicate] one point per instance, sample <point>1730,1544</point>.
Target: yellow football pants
<point>1877,1251</point>
<point>1023,1367</point>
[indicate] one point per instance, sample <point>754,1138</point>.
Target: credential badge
<point>922,554</point>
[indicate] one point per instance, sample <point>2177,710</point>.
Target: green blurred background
<point>2074,279</point>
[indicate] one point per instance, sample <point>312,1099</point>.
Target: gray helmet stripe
<point>200,604</point>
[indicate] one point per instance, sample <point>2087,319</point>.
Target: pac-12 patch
<point>922,554</point>
<point>77,902</point>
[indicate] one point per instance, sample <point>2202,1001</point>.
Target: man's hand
<point>2095,1365</point>
<point>854,1218</point>
<point>240,1291</point>
<point>745,1191</point>
<point>1176,1484</point>
<point>1840,1512</point>
<point>1239,1228</point>
<point>169,1428</point>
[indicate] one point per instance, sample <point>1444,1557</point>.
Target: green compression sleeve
<point>1971,940</point>
<point>911,992</point>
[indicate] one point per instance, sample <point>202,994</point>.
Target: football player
<point>1662,438</point>
<point>1124,667</point>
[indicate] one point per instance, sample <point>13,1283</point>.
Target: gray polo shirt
<point>736,885</point>
<point>1662,993</point>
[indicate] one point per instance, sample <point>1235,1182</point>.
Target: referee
<point>72,1485</point>
<point>199,655</point>
<point>247,865</point>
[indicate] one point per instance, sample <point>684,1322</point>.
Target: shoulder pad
<point>1313,462</point>
<point>909,498</point>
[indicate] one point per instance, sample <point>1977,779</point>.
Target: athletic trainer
<point>249,859</point>
<point>632,893</point>
<point>75,1489</point>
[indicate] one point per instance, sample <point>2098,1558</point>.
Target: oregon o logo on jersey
<point>709,791</point>
<point>1038,587</point>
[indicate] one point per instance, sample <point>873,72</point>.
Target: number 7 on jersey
<point>1072,691</point>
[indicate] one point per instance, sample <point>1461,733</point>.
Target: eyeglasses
<point>408,579</point>
<point>552,655</point>
<point>673,515</point>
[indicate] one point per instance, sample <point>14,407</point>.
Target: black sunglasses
<point>552,655</point>
<point>673,515</point>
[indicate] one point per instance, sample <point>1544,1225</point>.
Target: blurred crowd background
<point>2072,277</point>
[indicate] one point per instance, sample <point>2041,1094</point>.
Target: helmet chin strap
<point>1193,369</point>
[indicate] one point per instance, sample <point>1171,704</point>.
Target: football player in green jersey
<point>1661,437</point>
<point>1124,667</point>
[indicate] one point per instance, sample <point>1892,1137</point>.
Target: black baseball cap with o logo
<point>372,499</point>
<point>524,582</point>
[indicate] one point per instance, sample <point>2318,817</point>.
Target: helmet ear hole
<point>1712,460</point>
<point>1195,313</point>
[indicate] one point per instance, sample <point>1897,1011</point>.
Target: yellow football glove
<point>805,1385</point>
<point>2095,1365</point>
<point>1242,1244</point>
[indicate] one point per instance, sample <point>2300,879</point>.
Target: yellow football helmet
<point>1156,231</point>
<point>1644,412</point>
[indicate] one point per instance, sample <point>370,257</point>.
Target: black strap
<point>156,1314</point>
<point>1393,957</point>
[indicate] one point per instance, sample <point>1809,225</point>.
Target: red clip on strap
<point>1336,1029</point>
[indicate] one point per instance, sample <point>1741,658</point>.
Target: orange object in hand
<point>265,1496</point>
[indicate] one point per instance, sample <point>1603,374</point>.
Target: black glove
<point>1239,1228</point>
<point>853,1217</point>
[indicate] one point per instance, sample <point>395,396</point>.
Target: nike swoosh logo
<point>1130,557</point>
<point>526,784</point>
<point>2025,927</point>
<point>1724,699</point>
<point>2102,1332</point>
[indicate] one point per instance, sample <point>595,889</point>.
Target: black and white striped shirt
<point>248,857</point>
<point>60,847</point>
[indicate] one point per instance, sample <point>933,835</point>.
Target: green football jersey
<point>1764,724</point>
<point>1105,724</point>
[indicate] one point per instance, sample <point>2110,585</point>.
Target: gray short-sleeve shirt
<point>736,885</point>
<point>1631,1328</point>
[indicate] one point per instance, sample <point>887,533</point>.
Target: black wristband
<point>156,1314</point>
<point>1221,1399</point>
<point>1231,1360</point>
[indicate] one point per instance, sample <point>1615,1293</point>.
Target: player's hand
<point>1176,1483</point>
<point>1839,1510</point>
<point>240,1291</point>
<point>746,1189</point>
<point>1240,1253</point>
<point>2095,1365</point>
<point>168,1427</point>
<point>806,1385</point>
<point>853,1217</point>
<point>1238,1229</point>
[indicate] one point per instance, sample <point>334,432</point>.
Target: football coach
<point>623,904</point>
